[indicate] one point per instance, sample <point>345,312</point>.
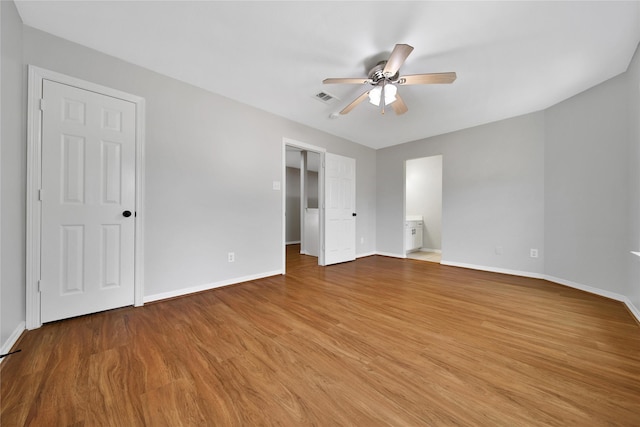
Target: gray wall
<point>587,188</point>
<point>292,203</point>
<point>493,193</point>
<point>210,165</point>
<point>633,91</point>
<point>13,168</point>
<point>565,181</point>
<point>312,187</point>
<point>592,196</point>
<point>424,197</point>
<point>292,232</point>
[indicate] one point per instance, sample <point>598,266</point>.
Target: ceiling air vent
<point>325,97</point>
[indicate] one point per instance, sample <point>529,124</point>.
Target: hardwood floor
<point>375,342</point>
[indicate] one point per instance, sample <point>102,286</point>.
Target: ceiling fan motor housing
<point>376,74</point>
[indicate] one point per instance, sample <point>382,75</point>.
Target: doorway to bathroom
<point>423,209</point>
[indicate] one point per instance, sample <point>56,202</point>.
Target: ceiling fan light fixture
<point>384,77</point>
<point>375,94</point>
<point>390,94</point>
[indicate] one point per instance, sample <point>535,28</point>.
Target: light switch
<point>276,185</point>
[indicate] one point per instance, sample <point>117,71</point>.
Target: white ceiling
<point>511,58</point>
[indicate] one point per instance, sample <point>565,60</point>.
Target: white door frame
<point>321,151</point>
<point>34,171</point>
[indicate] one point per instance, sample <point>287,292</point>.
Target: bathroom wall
<point>424,197</point>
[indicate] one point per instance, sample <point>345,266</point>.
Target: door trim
<point>34,171</point>
<point>321,151</point>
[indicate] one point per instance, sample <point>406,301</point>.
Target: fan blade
<point>399,106</point>
<point>426,79</point>
<point>349,81</point>
<point>397,58</point>
<point>353,105</point>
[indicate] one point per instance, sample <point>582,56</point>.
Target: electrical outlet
<point>231,257</point>
<point>533,253</point>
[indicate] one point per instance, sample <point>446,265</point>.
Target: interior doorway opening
<point>302,200</point>
<point>302,194</point>
<point>423,209</point>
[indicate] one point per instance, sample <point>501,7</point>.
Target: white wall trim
<point>303,145</point>
<point>208,286</point>
<point>389,254</point>
<point>141,126</point>
<point>632,308</point>
<point>597,291</point>
<point>33,206</point>
<point>366,254</point>
<point>586,288</point>
<point>11,341</point>
<point>34,167</point>
<point>293,242</point>
<point>590,289</point>
<point>494,269</point>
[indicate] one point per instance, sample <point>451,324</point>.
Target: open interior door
<point>340,209</point>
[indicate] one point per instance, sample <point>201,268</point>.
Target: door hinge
<point>40,194</point>
<point>39,286</point>
<point>42,104</point>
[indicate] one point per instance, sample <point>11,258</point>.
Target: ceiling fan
<point>384,77</point>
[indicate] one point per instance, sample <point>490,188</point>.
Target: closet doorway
<point>423,209</point>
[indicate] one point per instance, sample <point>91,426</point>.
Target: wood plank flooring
<point>375,342</point>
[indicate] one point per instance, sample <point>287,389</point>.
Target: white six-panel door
<point>88,182</point>
<point>340,209</point>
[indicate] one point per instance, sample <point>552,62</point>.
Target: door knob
<point>126,214</point>
<point>353,214</point>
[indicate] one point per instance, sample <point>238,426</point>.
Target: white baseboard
<point>294,242</point>
<point>494,269</point>
<point>633,309</point>
<point>390,254</point>
<point>6,347</point>
<point>586,288</point>
<point>308,253</point>
<point>597,291</point>
<point>365,254</point>
<point>208,286</point>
